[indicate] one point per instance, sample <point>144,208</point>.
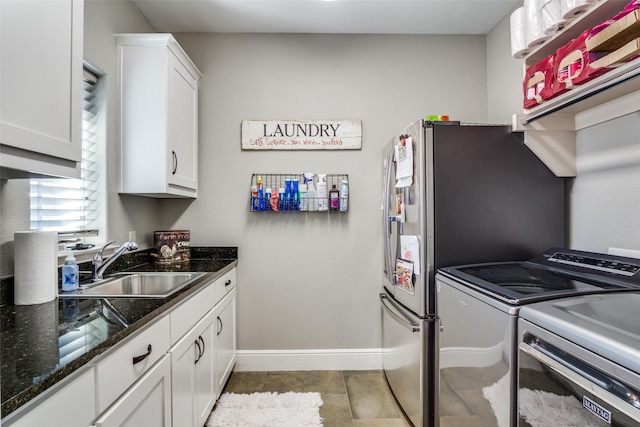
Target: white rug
<point>267,410</point>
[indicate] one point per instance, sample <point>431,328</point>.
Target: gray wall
<point>312,280</point>
<point>605,196</point>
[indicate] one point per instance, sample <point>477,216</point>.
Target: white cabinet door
<point>182,125</point>
<point>226,338</point>
<point>183,358</point>
<point>146,403</point>
<point>159,117</point>
<point>193,363</point>
<point>41,46</point>
<point>205,384</point>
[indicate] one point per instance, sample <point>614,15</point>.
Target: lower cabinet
<point>146,403</point>
<point>226,338</point>
<point>169,373</point>
<point>202,362</point>
<point>193,361</point>
<point>183,386</point>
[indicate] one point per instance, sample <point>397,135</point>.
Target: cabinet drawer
<point>190,312</point>
<point>224,285</point>
<point>117,372</point>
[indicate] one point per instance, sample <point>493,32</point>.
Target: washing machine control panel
<point>614,266</point>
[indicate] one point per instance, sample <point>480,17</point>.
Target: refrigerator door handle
<point>399,317</point>
<point>387,252</point>
<point>387,224</point>
<point>398,220</point>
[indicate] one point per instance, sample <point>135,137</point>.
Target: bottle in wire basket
<point>344,196</point>
<point>281,203</point>
<point>311,196</point>
<point>288,195</point>
<point>322,192</point>
<point>302,196</point>
<point>334,198</point>
<point>295,195</point>
<point>260,193</point>
<point>267,199</point>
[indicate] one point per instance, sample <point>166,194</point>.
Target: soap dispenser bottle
<point>70,273</point>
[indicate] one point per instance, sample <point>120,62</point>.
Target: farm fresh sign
<point>301,135</point>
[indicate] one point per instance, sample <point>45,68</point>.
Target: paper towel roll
<point>552,19</point>
<point>519,48</point>
<point>572,8</point>
<point>533,23</point>
<point>36,267</point>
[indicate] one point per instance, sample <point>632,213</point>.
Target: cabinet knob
<point>227,283</point>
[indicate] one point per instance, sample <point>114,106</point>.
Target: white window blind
<point>71,206</point>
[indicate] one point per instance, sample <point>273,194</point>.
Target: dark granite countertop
<point>44,343</point>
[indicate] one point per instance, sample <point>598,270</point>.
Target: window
<point>72,206</point>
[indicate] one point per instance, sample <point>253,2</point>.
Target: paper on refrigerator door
<point>410,251</point>
<point>404,272</point>
<point>404,162</point>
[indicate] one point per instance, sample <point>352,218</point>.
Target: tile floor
<point>351,398</point>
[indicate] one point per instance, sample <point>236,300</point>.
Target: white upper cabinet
<point>158,117</point>
<point>41,87</point>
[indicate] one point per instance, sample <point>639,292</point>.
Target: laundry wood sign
<point>301,134</point>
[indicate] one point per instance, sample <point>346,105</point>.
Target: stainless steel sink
<point>134,285</point>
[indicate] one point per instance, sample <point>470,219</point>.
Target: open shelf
<point>596,14</point>
<point>613,84</point>
<point>550,128</point>
<point>607,87</point>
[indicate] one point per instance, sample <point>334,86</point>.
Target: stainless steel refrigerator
<point>452,194</point>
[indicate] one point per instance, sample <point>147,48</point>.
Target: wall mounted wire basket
<point>277,193</point>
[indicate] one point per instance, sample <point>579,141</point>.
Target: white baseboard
<point>309,360</point>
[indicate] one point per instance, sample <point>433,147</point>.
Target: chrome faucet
<point>100,264</point>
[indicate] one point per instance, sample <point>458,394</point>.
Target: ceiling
<point>318,16</point>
